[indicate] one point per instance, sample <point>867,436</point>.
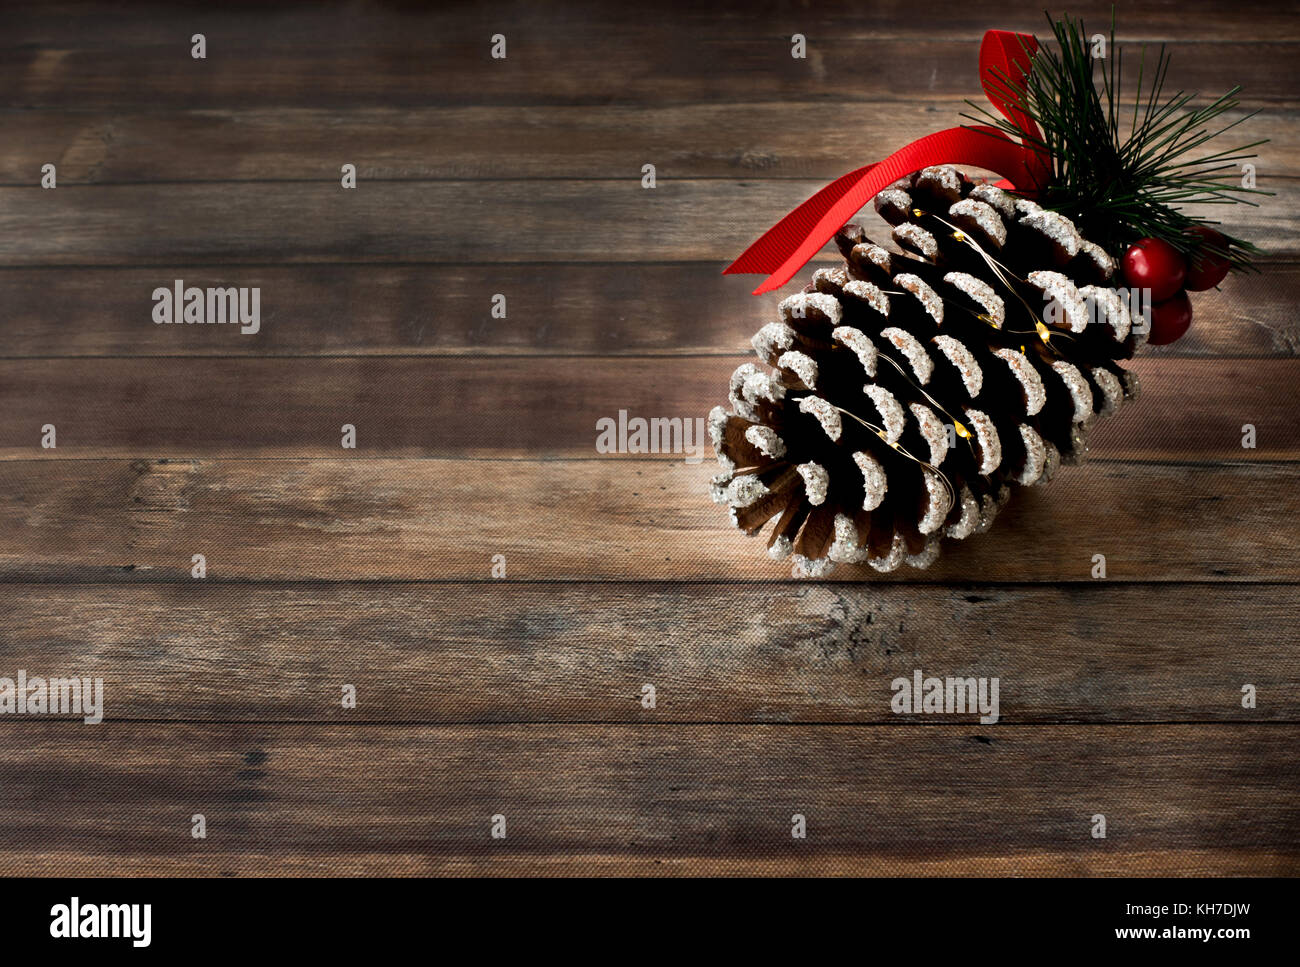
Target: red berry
<point>1151,263</point>
<point>1170,319</point>
<point>1205,270</point>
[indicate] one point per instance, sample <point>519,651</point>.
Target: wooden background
<point>476,437</point>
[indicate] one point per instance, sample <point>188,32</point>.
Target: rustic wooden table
<point>479,697</point>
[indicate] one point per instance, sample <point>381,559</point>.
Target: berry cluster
<point>1154,264</point>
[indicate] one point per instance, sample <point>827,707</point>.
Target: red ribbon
<point>790,243</point>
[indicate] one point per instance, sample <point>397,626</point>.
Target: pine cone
<point>906,393</point>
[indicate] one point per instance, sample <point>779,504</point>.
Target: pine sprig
<point>1120,182</point>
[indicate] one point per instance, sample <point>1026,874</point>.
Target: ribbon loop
<point>788,245</point>
<point>1005,58</point>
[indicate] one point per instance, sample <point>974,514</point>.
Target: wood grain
<point>469,221</point>
<point>329,25</point>
<point>682,55</point>
<point>593,309</point>
<point>717,652</point>
<point>611,141</point>
<point>526,407</point>
<point>476,438</point>
<point>649,798</point>
<point>443,520</point>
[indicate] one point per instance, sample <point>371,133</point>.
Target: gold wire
<point>958,427</point>
<point>948,488</point>
<point>1041,329</point>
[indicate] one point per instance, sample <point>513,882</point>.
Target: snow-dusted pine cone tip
<point>902,395</point>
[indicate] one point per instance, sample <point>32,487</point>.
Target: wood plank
<point>570,55</point>
<point>462,221</point>
<point>1188,800</point>
<point>763,140</point>
<point>440,520</point>
<point>371,567</point>
<point>456,653</point>
<point>349,24</point>
<point>574,309</point>
<point>1139,863</point>
<point>525,407</point>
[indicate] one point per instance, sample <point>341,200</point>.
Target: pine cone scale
<point>905,393</point>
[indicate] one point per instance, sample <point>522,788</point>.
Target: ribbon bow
<point>790,243</point>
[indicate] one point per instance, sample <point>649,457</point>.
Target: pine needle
<point>1121,185</point>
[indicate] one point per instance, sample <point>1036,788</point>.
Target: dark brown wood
<point>170,225</point>
<point>688,54</point>
<point>594,309</point>
<point>765,140</point>
<point>586,520</point>
<point>372,567</point>
<point>717,652</point>
<point>337,24</point>
<point>648,799</point>
<point>525,407</point>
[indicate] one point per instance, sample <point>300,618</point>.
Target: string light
<point>1003,275</point>
<point>950,493</point>
<point>957,426</point>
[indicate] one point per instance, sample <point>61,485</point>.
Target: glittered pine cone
<point>901,396</point>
